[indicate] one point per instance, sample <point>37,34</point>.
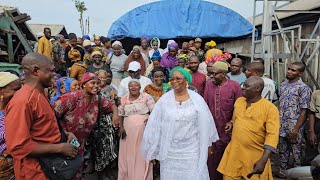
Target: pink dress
<point>132,166</point>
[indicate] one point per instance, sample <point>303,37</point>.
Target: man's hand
<point>210,151</point>
<point>228,127</point>
<point>312,138</point>
<point>70,136</point>
<point>258,167</point>
<point>292,137</point>
<point>68,150</point>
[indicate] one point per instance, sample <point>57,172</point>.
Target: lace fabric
<point>180,136</point>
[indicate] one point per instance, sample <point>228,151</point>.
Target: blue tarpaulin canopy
<point>187,18</point>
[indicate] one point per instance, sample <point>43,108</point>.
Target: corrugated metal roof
<point>304,5</point>
<point>38,28</point>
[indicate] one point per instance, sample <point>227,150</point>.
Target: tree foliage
<point>81,8</point>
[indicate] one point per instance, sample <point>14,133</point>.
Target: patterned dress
<point>79,116</point>
<point>156,93</point>
<point>106,146</point>
<point>6,162</point>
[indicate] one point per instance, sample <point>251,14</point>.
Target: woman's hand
<point>122,133</point>
<point>116,121</point>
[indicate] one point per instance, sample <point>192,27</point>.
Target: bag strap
<point>99,120</point>
<point>99,114</point>
<point>63,138</point>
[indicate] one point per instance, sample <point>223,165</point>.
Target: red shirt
<point>199,81</point>
<point>29,120</point>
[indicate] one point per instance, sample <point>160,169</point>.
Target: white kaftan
<point>179,136</point>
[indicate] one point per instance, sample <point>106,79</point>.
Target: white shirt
<point>269,90</point>
<point>124,89</point>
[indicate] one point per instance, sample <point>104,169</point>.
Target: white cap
<point>40,34</point>
<point>86,42</point>
<point>134,66</point>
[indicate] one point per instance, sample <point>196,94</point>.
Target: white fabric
<point>169,42</point>
<point>269,90</point>
<point>116,43</point>
<point>123,87</point>
<point>179,139</point>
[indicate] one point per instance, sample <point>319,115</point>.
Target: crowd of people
<point>184,113</point>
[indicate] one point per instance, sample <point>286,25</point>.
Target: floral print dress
<point>106,146</point>
<point>79,116</point>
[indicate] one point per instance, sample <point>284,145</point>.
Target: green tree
<point>81,8</point>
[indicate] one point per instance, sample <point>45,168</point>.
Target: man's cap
<point>134,66</point>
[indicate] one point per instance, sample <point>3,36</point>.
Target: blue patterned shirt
<point>293,98</point>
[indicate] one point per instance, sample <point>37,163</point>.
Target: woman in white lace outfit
<point>179,131</point>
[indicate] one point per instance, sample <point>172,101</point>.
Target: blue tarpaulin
<point>186,18</point>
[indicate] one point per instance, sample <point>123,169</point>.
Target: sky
<point>102,13</point>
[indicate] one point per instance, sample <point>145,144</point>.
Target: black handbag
<point>59,167</point>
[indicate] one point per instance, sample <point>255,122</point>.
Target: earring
<point>1,98</point>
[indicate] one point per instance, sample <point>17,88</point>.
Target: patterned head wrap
<point>184,57</point>
<point>88,77</point>
<point>185,73</point>
<point>156,56</point>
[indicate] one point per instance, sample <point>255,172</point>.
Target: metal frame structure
<point>9,27</point>
<point>282,46</point>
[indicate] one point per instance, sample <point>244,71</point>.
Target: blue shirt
<point>240,78</point>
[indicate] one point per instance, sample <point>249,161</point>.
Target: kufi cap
<point>6,78</point>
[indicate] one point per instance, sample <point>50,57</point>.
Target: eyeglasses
<point>213,73</point>
<point>177,79</point>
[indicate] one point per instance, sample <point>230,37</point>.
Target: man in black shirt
<point>73,51</point>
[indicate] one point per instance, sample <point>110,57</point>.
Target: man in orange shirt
<point>31,127</point>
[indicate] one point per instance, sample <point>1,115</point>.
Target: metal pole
<point>265,40</point>
<point>253,30</point>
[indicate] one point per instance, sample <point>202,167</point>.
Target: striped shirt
<point>2,141</point>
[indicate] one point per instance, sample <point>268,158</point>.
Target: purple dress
<point>168,61</point>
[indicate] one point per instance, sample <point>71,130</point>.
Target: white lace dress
<point>179,136</point>
<point>183,154</point>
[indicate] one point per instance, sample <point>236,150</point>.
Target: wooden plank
<point>19,17</point>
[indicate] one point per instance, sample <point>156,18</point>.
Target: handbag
<point>59,167</point>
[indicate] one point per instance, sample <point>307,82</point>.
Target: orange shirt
<point>29,120</point>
